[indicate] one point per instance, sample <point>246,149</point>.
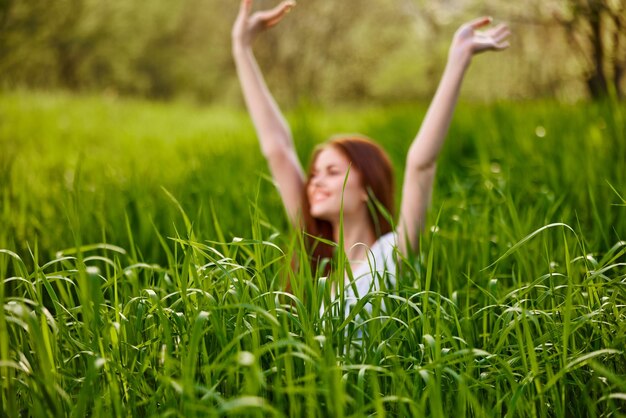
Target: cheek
<point>354,195</point>
<point>336,182</point>
<point>356,187</point>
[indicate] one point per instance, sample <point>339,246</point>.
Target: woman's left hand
<point>469,41</point>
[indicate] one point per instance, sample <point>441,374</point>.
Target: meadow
<point>144,255</point>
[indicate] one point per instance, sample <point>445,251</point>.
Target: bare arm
<point>423,152</point>
<point>271,127</point>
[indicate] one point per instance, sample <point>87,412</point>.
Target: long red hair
<point>376,172</point>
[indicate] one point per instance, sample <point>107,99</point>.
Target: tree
<point>597,29</point>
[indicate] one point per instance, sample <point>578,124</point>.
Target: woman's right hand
<point>247,26</point>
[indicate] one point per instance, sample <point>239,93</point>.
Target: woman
<point>350,182</point>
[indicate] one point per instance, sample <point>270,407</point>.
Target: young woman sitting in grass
<point>349,183</point>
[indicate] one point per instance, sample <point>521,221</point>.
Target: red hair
<point>376,172</point>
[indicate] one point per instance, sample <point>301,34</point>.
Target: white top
<point>379,268</point>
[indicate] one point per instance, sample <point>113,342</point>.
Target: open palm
<point>248,25</point>
<point>470,41</point>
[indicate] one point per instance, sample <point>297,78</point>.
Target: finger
<point>499,30</point>
<point>245,7</point>
<point>275,15</point>
<point>502,45</point>
<point>501,36</point>
<point>282,9</point>
<point>480,22</point>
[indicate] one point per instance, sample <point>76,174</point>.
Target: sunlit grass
<point>144,269</point>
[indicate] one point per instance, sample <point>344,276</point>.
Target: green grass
<point>145,256</point>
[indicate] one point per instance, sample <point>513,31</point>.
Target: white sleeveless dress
<point>378,271</point>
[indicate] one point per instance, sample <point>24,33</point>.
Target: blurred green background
<point>324,52</point>
<point>115,115</point>
<point>104,104</point>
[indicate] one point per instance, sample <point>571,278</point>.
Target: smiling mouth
<point>319,196</point>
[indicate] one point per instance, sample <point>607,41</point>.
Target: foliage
<point>327,52</point>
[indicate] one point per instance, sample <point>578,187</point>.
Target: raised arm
<point>423,152</point>
<point>272,129</point>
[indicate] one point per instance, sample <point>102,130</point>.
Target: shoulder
<point>382,252</point>
<point>387,242</point>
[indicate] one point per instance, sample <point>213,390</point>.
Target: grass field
<point>144,255</point>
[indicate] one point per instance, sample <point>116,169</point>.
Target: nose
<point>316,180</point>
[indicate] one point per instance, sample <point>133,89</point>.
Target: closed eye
<point>329,171</point>
<point>333,170</point>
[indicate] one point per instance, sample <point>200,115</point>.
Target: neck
<point>355,231</point>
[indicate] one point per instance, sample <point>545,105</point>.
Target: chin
<point>321,214</point>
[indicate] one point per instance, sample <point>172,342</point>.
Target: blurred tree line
<point>326,51</point>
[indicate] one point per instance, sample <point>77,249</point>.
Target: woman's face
<point>326,186</point>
